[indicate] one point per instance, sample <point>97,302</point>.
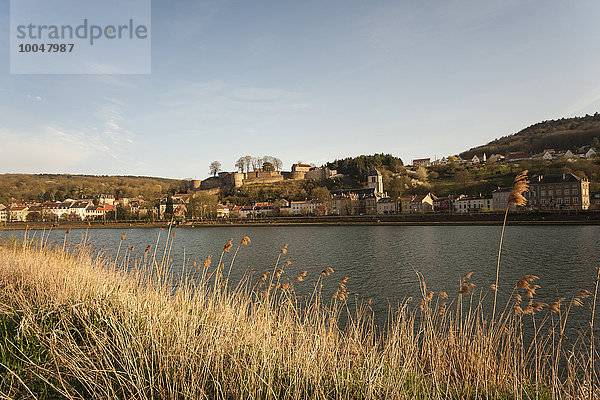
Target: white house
<point>17,213</point>
<point>590,153</point>
<point>547,156</point>
<point>222,211</point>
<point>568,154</point>
<point>471,204</point>
<point>79,209</point>
<point>304,207</point>
<point>3,213</point>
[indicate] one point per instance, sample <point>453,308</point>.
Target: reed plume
<point>515,198</point>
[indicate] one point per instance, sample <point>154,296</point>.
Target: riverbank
<point>537,218</point>
<point>80,327</point>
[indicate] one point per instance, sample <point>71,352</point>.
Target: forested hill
<point>51,187</point>
<point>560,134</point>
<point>359,167</point>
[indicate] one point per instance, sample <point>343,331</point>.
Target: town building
<point>386,205</point>
<point>222,211</point>
<point>359,201</point>
<point>421,203</point>
<point>422,162</point>
<point>594,200</point>
<point>590,153</point>
<point>3,213</point>
<point>301,167</point>
<point>559,191</point>
<point>496,158</point>
<point>473,204</point>
<point>17,213</point>
<point>517,156</point>
<point>445,204</point>
<point>500,198</point>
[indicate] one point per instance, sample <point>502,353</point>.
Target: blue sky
<point>307,81</point>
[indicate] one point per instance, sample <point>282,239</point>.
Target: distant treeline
<point>51,187</point>
<point>560,134</point>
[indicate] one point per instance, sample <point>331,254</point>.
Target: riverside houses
<point>421,203</point>
<point>559,192</point>
<point>3,213</point>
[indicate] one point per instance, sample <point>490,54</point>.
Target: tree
<point>247,162</point>
<point>169,208</point>
<point>267,166</point>
<point>421,173</point>
<point>215,168</point>
<point>463,178</point>
<point>278,164</point>
<point>33,216</point>
<point>124,213</point>
<point>322,195</point>
<point>256,162</point>
<point>240,163</point>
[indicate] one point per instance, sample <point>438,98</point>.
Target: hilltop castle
<point>229,180</point>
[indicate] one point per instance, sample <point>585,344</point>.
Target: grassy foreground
<point>74,325</point>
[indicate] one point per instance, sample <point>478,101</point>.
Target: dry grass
<point>74,325</point>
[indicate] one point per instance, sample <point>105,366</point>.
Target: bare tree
<point>277,163</point>
<point>215,168</point>
<point>258,162</point>
<point>240,163</point>
<point>248,162</point>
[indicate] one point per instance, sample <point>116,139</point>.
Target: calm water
<point>380,259</point>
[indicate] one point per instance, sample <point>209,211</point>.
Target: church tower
<point>375,181</point>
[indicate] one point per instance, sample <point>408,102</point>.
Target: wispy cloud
<point>111,116</point>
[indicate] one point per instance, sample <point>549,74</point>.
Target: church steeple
<point>375,181</point>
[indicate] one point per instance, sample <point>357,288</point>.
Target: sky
<point>311,81</point>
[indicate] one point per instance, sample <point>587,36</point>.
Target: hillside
<point>560,134</point>
<point>53,187</point>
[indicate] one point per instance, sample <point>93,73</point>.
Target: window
<point>550,192</point>
<point>575,200</point>
<point>567,200</point>
<point>543,193</point>
<point>558,192</point>
<point>575,192</point>
<point>566,192</point>
<point>543,201</point>
<point>559,200</point>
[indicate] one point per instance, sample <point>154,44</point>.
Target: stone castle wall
<point>230,180</point>
<point>262,177</point>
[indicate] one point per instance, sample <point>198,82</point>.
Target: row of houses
<point>99,207</point>
<point>547,154</point>
<point>546,192</point>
